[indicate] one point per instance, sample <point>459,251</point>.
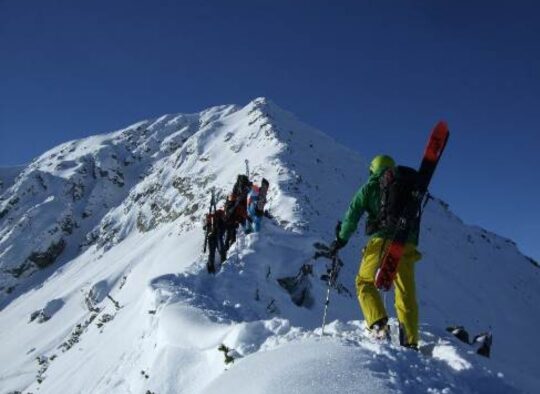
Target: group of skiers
<point>393,197</point>
<point>243,207</point>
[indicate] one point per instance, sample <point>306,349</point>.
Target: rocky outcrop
<point>49,256</point>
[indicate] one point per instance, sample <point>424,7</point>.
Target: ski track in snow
<point>126,305</point>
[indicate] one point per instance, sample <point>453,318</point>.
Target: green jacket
<point>367,199</point>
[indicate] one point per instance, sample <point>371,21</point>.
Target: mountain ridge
<point>128,207</point>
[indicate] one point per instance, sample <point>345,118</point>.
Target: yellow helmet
<point>381,162</point>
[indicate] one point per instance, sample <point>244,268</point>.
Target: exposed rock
<point>68,224</point>
<point>44,259</point>
<point>48,311</point>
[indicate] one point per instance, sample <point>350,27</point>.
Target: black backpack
<point>242,186</point>
<point>400,208</point>
<point>240,191</point>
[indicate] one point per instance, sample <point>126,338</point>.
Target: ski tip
<point>442,125</point>
<point>441,132</point>
<point>437,142</point>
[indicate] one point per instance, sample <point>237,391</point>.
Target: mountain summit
<point>103,286</point>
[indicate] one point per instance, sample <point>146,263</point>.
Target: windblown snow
<point>103,286</point>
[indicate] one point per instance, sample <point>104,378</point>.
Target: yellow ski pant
<point>404,284</point>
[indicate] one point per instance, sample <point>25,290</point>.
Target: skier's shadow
<point>195,289</point>
<point>427,349</point>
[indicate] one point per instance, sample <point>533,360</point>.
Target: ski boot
<point>403,341</point>
<point>380,330</point>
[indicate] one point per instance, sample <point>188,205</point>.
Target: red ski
<point>387,271</point>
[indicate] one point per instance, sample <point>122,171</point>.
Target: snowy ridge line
<point>203,321</point>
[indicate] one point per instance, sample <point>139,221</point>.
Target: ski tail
<point>387,272</point>
<point>262,197</point>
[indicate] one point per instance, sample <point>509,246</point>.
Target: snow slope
<point>8,175</point>
<point>103,286</point>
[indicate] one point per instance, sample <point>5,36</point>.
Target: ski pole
<point>329,285</point>
<point>205,240</point>
<point>325,308</point>
<point>213,201</point>
<point>247,167</point>
<point>208,219</point>
<point>331,277</point>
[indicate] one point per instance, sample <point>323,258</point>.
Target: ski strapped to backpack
<point>261,202</point>
<point>209,220</point>
<point>402,192</point>
<point>213,234</point>
<point>240,191</point>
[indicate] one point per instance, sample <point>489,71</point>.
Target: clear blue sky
<point>374,74</point>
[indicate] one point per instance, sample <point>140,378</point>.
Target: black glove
<point>336,245</point>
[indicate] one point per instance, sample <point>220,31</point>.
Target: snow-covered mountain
<point>8,175</point>
<point>103,286</point>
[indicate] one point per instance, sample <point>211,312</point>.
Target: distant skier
<point>256,199</point>
<point>220,228</point>
<point>368,199</point>
<point>235,215</point>
<point>253,222</point>
<point>214,227</point>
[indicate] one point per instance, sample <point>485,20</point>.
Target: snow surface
<point>103,286</point>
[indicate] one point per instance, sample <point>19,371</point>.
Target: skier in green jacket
<point>368,199</point>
